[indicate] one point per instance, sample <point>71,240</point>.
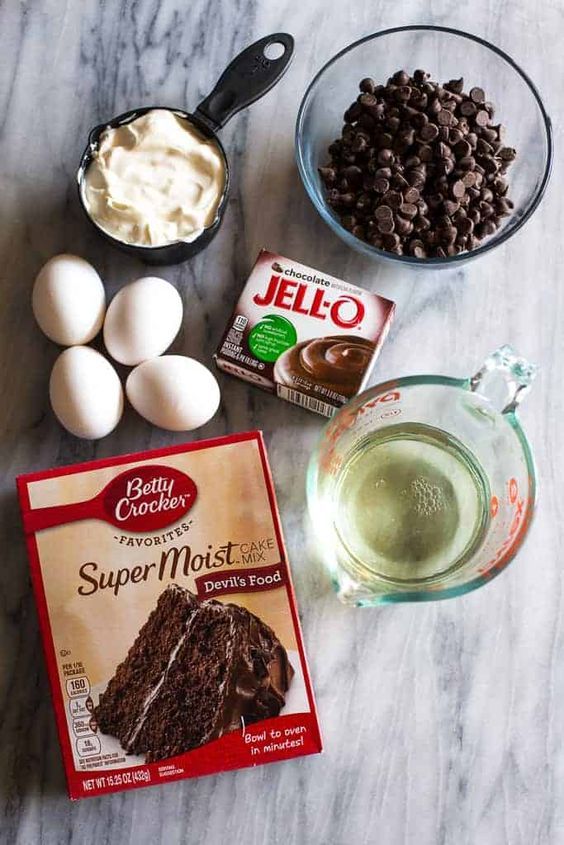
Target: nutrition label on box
<point>80,708</point>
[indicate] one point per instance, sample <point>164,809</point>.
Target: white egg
<point>173,392</point>
<point>142,320</point>
<point>86,393</point>
<point>69,300</point>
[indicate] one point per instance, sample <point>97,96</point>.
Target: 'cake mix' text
<point>302,299</point>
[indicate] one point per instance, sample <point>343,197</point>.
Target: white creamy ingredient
<point>154,181</point>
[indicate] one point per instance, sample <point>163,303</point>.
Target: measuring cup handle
<point>503,379</point>
<point>249,76</point>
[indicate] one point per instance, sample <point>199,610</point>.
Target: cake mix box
<point>168,616</point>
<point>308,337</point>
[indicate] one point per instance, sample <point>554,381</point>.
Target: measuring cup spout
<point>503,379</point>
<point>250,75</point>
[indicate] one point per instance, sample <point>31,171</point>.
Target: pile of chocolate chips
<point>419,167</point>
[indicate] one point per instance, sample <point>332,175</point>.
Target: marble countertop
<point>442,722</point>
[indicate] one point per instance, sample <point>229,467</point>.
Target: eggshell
<point>173,392</point>
<point>142,320</point>
<point>86,393</point>
<point>69,300</point>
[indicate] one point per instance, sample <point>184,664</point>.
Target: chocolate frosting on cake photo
<point>338,363</point>
<point>197,670</point>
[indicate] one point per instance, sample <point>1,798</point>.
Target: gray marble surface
<point>443,723</point>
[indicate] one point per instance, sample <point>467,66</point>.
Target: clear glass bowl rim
<point>367,248</point>
<point>530,506</point>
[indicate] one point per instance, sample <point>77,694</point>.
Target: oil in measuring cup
<point>411,504</point>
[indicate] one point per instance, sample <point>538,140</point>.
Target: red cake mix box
<point>167,614</point>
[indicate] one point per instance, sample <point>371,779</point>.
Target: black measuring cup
<point>249,76</point>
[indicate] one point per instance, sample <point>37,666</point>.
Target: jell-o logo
<point>302,299</point>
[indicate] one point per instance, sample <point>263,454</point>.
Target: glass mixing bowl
<point>445,54</point>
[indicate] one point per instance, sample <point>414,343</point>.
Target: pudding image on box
<point>167,615</point>
<point>308,337</point>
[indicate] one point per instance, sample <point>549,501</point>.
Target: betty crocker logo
<point>148,498</point>
<point>346,312</point>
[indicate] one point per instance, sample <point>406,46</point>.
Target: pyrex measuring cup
<point>487,467</point>
<point>248,77</point>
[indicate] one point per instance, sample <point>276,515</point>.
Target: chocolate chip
<point>381,185</point>
<point>353,174</point>
<point>418,249</point>
<point>429,132</point>
<point>458,189</point>
<point>401,77</point>
<point>386,225</point>
<point>367,85</point>
<point>444,118</point>
<point>489,134</point>
<point>403,226</point>
<point>455,85</point>
<point>486,228</point>
<point>444,150</point>
<point>394,199</point>
<point>359,145</point>
<point>483,148</point>
<point>411,195</point>
<point>421,223</point>
<point>462,149</point>
<point>467,163</point>
<point>504,206</point>
<point>363,203</point>
<point>468,108</point>
<point>383,212</point>
<point>482,118</point>
<point>451,207</point>
<point>408,209</point>
<point>385,156</point>
<point>425,153</point>
<point>375,239</point>
<point>328,174</point>
<point>420,76</point>
<point>367,101</point>
<point>507,154</point>
<point>465,226</point>
<point>477,95</point>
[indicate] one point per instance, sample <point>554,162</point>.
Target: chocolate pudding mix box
<point>306,336</point>
<point>168,616</point>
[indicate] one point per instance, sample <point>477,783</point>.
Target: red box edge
<point>47,641</point>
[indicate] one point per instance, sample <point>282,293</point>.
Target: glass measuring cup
<point>429,466</point>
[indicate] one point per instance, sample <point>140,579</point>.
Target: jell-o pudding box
<point>306,336</point>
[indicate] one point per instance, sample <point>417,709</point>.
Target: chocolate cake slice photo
<point>198,669</point>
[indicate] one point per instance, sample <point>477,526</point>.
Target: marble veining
<point>443,723</point>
